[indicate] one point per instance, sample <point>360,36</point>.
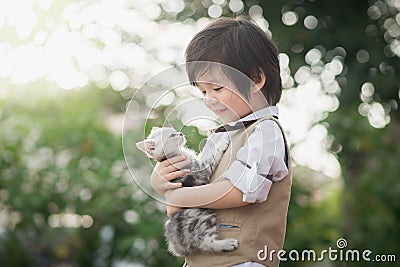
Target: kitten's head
<point>162,143</point>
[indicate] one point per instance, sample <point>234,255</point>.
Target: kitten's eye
<point>203,92</point>
<point>175,134</point>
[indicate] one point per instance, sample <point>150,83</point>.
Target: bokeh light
<point>290,18</point>
<point>310,22</point>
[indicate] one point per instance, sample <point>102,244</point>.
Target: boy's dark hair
<point>242,45</point>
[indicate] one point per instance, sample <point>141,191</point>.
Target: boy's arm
<point>220,195</point>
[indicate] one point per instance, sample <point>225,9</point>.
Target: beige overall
<point>258,224</point>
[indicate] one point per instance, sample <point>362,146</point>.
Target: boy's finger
<point>172,160</point>
<point>175,185</point>
<point>173,175</point>
<point>176,166</point>
<point>168,186</point>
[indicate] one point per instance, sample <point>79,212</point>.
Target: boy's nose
<point>210,101</point>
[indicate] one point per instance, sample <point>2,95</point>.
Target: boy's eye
<point>214,89</point>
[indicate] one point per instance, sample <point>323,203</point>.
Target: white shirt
<point>263,154</point>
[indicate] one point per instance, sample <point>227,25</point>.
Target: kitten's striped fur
<point>189,229</point>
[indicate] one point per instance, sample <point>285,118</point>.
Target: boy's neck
<point>257,101</point>
<point>252,112</point>
<point>259,108</point>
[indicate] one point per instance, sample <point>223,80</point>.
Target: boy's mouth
<point>218,111</point>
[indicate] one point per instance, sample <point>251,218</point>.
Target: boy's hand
<point>166,171</point>
<point>171,210</point>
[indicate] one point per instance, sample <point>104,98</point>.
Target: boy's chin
<point>227,120</point>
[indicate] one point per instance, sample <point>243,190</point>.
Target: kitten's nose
<point>180,134</point>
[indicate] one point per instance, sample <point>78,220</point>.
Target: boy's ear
<point>259,80</point>
<point>146,146</point>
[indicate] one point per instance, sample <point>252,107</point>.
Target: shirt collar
<point>261,113</point>
<point>243,122</point>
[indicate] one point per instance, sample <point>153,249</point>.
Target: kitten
<point>189,229</point>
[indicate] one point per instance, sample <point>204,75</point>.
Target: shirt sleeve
<point>259,163</point>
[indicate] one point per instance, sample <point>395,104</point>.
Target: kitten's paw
<point>230,244</point>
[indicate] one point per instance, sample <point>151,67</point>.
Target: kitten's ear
<point>146,146</point>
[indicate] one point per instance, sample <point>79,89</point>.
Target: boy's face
<point>227,103</point>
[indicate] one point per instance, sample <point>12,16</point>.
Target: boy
<point>250,188</point>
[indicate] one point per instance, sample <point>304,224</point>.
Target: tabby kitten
<point>189,229</point>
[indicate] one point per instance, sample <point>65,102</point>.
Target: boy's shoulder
<point>268,122</point>
<point>267,128</point>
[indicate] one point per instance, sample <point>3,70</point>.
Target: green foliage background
<point>57,156</point>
